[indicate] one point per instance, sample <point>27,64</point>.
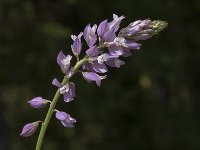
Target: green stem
<point>53,104</point>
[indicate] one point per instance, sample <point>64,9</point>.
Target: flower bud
<point>29,129</point>
<point>142,30</point>
<point>38,102</point>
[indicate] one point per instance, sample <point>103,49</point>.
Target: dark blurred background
<point>151,103</point>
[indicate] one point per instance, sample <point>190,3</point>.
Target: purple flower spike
<point>90,35</point>
<point>65,119</point>
<point>29,129</point>
<point>91,76</point>
<point>77,45</point>
<point>64,61</point>
<point>38,102</point>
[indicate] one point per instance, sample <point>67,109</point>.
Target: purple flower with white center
<point>65,119</point>
<point>106,31</point>
<point>124,43</point>
<point>121,46</point>
<point>68,90</point>
<point>29,129</point>
<point>92,64</point>
<point>90,35</point>
<point>105,57</point>
<point>77,45</point>
<point>110,60</point>
<point>64,61</point>
<point>38,102</point>
<point>91,76</point>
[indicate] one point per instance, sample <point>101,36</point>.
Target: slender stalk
<point>52,106</point>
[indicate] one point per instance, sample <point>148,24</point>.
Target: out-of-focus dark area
<point>151,103</point>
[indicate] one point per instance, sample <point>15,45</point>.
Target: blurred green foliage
<point>151,103</point>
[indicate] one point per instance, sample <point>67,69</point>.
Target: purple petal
<point>29,129</point>
<point>102,28</point>
<point>90,35</point>
<point>142,37</point>
<point>56,83</point>
<point>126,52</point>
<point>60,57</point>
<point>37,102</point>
<point>76,46</point>
<point>69,96</point>
<point>109,35</point>
<point>115,50</point>
<point>91,76</point>
<point>64,61</point>
<point>70,73</point>
<point>100,68</point>
<point>68,122</point>
<point>92,51</point>
<point>61,115</point>
<point>133,45</point>
<point>115,62</point>
<point>86,66</point>
<point>116,22</point>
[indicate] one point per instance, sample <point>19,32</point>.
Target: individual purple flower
<point>91,76</point>
<point>29,129</point>
<point>38,102</point>
<point>110,60</point>
<point>77,45</point>
<point>106,31</point>
<point>65,119</point>
<point>68,90</point>
<point>105,57</point>
<point>90,34</point>
<point>64,61</point>
<point>121,46</point>
<point>92,64</point>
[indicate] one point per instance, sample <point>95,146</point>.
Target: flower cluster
<point>107,45</point>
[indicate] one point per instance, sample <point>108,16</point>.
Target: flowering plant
<point>106,47</point>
